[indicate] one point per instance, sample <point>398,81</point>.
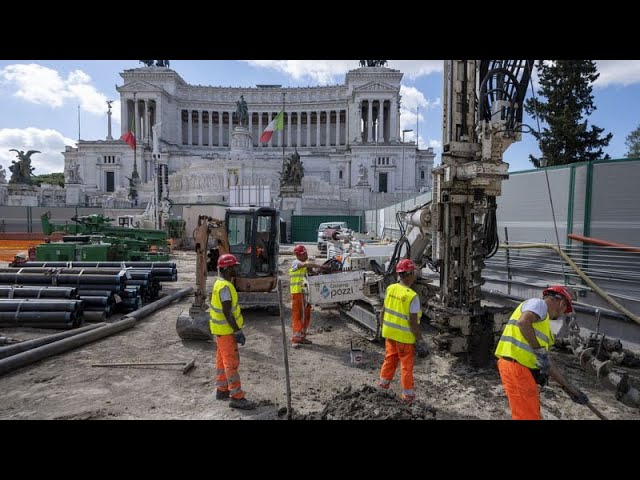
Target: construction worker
<point>523,353</point>
<point>297,274</point>
<point>226,323</point>
<point>401,330</point>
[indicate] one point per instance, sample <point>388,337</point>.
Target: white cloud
<point>319,71</point>
<point>623,72</point>
<point>49,142</point>
<point>44,86</point>
<point>413,69</point>
<point>412,98</point>
<point>333,71</point>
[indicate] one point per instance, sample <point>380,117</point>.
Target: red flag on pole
<point>130,137</point>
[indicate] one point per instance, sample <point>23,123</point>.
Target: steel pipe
<point>28,291</point>
<point>37,342</point>
<point>128,321</point>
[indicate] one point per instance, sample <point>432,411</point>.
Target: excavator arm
<point>208,227</point>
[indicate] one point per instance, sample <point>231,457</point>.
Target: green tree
<point>566,138</point>
<point>633,143</point>
<point>55,178</point>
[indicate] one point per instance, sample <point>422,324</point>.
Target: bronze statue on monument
<point>22,171</point>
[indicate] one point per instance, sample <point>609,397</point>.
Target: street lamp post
<point>376,189</point>
<point>402,187</point>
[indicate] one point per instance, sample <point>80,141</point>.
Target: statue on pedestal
<point>242,112</point>
<point>72,173</point>
<point>22,171</point>
<point>363,175</point>
<point>3,175</point>
<point>292,172</point>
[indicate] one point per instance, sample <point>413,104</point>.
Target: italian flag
<point>275,125</point>
<point>130,137</point>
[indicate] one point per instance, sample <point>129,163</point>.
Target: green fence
<point>304,228</point>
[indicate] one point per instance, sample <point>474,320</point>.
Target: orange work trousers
<point>227,363</point>
<point>299,325</point>
<point>521,389</point>
<point>398,352</point>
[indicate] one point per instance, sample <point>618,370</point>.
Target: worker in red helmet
<point>523,353</point>
<point>225,323</point>
<point>299,309</point>
<point>401,330</point>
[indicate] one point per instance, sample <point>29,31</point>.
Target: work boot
<point>242,404</point>
<point>306,341</point>
<point>222,394</point>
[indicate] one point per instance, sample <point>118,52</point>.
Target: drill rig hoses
<point>490,229</point>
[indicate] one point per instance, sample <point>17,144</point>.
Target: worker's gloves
<point>578,397</point>
<point>542,360</point>
<point>240,338</point>
<point>421,349</point>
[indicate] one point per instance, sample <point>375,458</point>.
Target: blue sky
<point>39,99</point>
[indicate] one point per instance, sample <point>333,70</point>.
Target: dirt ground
<point>324,383</point>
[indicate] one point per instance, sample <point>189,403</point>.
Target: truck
<point>322,241</point>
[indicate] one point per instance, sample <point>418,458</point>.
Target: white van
<point>322,244</point>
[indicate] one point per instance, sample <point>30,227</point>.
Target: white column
<point>308,129</point>
<point>220,128</point>
<point>250,125</point>
<point>158,117</point>
<point>210,113</point>
<point>268,122</point>
<point>370,121</point>
<point>230,128</point>
<point>299,117</point>
<point>200,127</point>
<point>124,116</point>
<point>288,129</point>
<point>337,127</point>
<point>137,122</point>
<point>381,122</point>
<point>328,128</point>
<point>147,121</point>
<point>318,143</point>
<point>259,129</point>
<point>190,128</point>
<point>180,127</point>
<point>394,133</point>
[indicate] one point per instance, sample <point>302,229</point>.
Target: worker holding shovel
<point>523,353</point>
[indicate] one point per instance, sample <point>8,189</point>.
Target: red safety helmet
<point>299,249</point>
<point>406,265</point>
<point>558,291</point>
<point>227,260</point>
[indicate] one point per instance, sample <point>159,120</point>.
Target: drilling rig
<point>455,232</point>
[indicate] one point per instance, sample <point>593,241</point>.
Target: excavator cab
<point>253,234</point>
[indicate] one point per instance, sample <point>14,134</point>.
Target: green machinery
<point>93,238</point>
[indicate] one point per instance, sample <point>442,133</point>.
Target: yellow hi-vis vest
<point>296,278</point>
<point>513,344</point>
<point>218,322</point>
<point>395,321</point>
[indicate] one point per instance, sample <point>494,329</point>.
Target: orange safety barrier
<point>10,248</point>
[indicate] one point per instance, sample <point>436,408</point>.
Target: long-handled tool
<point>185,366</point>
<point>596,411</point>
<point>285,351</point>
